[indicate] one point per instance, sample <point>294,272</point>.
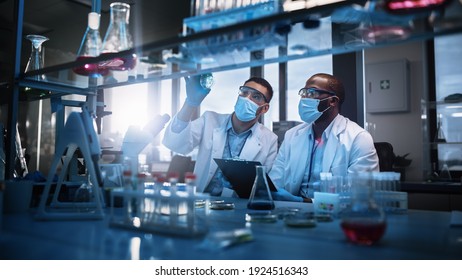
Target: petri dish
<point>299,222</point>
<point>261,217</point>
<point>323,217</point>
<point>199,203</point>
<point>221,205</point>
<point>300,219</point>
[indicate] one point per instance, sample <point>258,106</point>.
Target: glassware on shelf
<point>363,222</point>
<point>439,137</point>
<point>36,61</point>
<point>445,174</point>
<point>90,47</point>
<point>85,192</point>
<point>118,38</point>
<point>260,197</point>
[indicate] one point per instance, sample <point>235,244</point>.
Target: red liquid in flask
<point>363,232</point>
<point>89,69</point>
<point>119,63</point>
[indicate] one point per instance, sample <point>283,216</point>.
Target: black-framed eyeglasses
<point>313,92</point>
<point>255,95</point>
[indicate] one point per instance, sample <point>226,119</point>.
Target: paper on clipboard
<point>241,175</point>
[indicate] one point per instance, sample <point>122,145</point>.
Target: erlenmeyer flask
<point>36,61</point>
<point>260,197</point>
<point>118,38</point>
<point>439,137</point>
<point>90,47</point>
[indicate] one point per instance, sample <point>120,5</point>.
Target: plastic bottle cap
<point>190,175</point>
<point>93,20</point>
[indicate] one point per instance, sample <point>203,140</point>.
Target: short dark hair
<point>264,83</point>
<point>335,85</point>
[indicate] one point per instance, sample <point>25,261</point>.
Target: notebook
<point>241,175</point>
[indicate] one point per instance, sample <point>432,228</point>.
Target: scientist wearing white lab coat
<point>235,135</point>
<point>325,142</point>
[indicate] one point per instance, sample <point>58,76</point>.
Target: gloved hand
<point>195,92</point>
<point>283,194</point>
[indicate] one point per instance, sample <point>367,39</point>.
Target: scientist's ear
<point>334,101</point>
<point>263,109</point>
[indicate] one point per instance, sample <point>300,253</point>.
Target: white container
<point>326,203</point>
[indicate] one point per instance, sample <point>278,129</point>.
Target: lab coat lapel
<point>333,143</point>
<point>299,148</point>
<point>219,141</point>
<point>251,147</point>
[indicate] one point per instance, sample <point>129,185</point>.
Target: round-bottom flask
<point>363,222</point>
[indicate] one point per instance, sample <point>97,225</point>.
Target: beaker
<point>260,197</point>
<point>363,222</point>
<point>90,47</point>
<point>118,38</point>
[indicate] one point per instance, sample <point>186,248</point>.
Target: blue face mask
<point>308,109</point>
<point>245,109</point>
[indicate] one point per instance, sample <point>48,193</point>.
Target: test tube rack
<point>162,211</point>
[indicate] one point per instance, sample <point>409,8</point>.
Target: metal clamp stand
<point>77,133</point>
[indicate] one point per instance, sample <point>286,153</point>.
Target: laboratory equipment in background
<point>2,154</point>
<point>136,139</point>
<point>36,61</point>
<point>78,134</point>
<point>90,46</point>
<point>208,15</point>
<point>160,206</point>
<point>118,38</point>
<point>260,197</point>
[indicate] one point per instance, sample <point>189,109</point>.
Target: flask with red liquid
<point>118,38</point>
<point>90,47</point>
<point>363,222</point>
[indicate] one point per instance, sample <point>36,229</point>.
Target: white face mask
<point>245,109</point>
<point>308,109</point>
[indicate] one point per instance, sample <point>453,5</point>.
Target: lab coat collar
<point>251,147</point>
<point>253,143</point>
<point>301,144</point>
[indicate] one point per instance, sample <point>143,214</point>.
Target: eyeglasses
<point>313,92</point>
<point>255,95</point>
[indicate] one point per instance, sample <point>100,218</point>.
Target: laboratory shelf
<point>340,27</point>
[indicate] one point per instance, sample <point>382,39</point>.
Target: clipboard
<point>241,175</point>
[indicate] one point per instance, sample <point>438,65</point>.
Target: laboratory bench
<point>416,234</point>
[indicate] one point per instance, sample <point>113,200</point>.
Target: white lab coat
<point>349,149</point>
<point>208,133</point>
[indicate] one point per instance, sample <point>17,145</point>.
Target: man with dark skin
<point>325,142</point>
